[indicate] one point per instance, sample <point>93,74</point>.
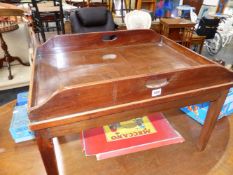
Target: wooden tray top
<point>66,65</point>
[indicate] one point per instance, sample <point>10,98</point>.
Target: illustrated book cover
<point>129,136</point>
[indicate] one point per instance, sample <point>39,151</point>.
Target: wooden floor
<point>178,159</point>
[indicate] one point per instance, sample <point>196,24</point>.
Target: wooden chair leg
<point>201,47</point>
<point>57,27</point>
<point>42,34</point>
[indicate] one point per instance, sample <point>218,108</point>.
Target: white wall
<point>17,42</point>
<point>211,2</point>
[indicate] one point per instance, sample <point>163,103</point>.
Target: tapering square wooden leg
<point>47,152</point>
<point>211,119</point>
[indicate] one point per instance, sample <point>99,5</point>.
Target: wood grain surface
<point>86,80</point>
<point>73,75</point>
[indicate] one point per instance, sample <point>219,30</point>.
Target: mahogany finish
<point>82,81</point>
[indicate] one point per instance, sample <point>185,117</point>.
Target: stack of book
<point>129,136</point>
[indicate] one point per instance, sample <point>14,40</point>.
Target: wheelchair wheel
<point>214,45</point>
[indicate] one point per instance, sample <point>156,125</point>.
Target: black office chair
<point>41,20</point>
<point>92,19</point>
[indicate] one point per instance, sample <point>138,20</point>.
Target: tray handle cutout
<point>107,38</point>
<point>154,84</point>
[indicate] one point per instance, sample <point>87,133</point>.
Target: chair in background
<point>206,31</point>
<point>98,3</point>
<point>192,41</point>
<point>149,3</point>
<point>198,43</point>
<point>77,3</point>
<point>92,19</point>
<point>89,3</point>
<point>138,19</point>
<point>45,13</point>
<point>187,36</point>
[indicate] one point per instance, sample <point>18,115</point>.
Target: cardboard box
<point>22,98</point>
<point>19,125</point>
<point>198,112</point>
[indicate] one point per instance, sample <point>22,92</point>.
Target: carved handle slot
<point>153,84</point>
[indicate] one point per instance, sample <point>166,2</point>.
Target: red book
<point>130,136</point>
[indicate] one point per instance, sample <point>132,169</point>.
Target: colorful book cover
<point>129,136</point>
<point>129,129</point>
<point>198,112</point>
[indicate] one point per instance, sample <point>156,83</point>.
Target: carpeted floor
<point>11,94</point>
<point>224,54</point>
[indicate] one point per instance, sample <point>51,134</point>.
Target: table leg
<point>47,152</point>
<point>211,119</point>
<point>201,46</point>
<point>6,56</point>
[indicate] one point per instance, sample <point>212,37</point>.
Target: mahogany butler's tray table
<point>83,81</point>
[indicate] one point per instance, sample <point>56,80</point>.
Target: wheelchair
<point>208,27</point>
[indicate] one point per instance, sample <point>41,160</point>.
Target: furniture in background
<point>173,28</point>
<point>10,1</point>
<point>197,42</point>
<point>101,82</point>
<point>150,4</point>
<point>208,26</point>
<point>98,3</point>
<point>155,25</point>
<point>183,10</point>
<point>137,19</point>
<point>89,3</point>
<point>182,31</point>
<point>47,12</point>
<point>77,3</point>
<point>121,7</point>
<point>192,40</point>
<point>7,24</point>
<point>187,36</point>
<point>91,19</point>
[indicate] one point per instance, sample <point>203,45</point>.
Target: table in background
<point>173,27</point>
<point>9,11</point>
